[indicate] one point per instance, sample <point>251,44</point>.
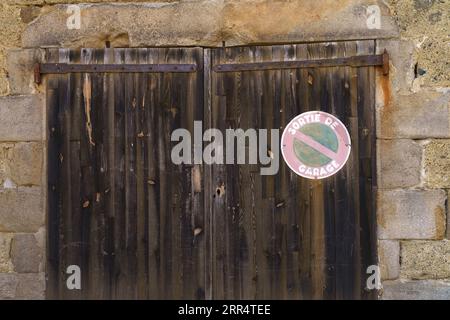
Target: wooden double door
<point>139,226</point>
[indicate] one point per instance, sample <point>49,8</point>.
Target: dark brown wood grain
<point>141,227</point>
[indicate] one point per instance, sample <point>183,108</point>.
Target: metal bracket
<point>61,68</point>
<point>354,61</point>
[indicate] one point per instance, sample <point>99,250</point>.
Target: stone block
<point>437,163</point>
<point>389,259</point>
<point>416,290</point>
<point>5,248</point>
<point>26,255</point>
<point>11,25</point>
<point>21,118</point>
<point>420,115</point>
<point>208,23</point>
<point>21,163</point>
<point>425,259</point>
<point>20,66</point>
<point>21,210</point>
<point>8,285</point>
<point>30,286</point>
<point>411,214</point>
<point>400,163</point>
<point>426,23</point>
<point>402,58</point>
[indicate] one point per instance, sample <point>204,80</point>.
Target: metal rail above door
<point>61,68</point>
<point>354,61</point>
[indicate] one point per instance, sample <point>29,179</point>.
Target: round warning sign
<point>315,145</point>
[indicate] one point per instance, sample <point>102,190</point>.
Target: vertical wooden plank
<point>86,199</point>
<point>193,220</point>
<point>303,185</point>
<point>186,108</point>
<point>141,82</point>
<point>131,105</point>
<point>53,188</point>
<point>287,202</point>
<point>271,105</point>
<point>219,191</point>
<point>229,88</point>
<point>168,236</point>
<point>208,178</point>
<point>249,120</point>
<point>63,154</point>
<point>119,276</point>
<point>99,170</point>
<point>179,176</point>
<point>263,184</point>
<point>153,183</point>
<point>367,168</point>
<point>344,206</point>
<point>108,187</point>
<point>278,211</point>
<point>73,161</point>
<point>317,257</point>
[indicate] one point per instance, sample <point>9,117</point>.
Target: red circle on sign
<point>315,145</point>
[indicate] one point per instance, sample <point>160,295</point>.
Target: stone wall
<point>22,144</point>
<point>414,154</point>
<point>413,120</point>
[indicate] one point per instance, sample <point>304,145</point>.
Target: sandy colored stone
<point>21,118</point>
<point>416,290</point>
<point>411,214</point>
<point>26,255</point>
<point>11,25</point>
<point>29,13</point>
<point>21,163</point>
<point>20,66</point>
<point>21,210</point>
<point>4,88</point>
<point>437,163</point>
<point>400,163</point>
<point>427,23</point>
<point>420,115</point>
<point>448,217</point>
<point>425,259</point>
<point>41,240</point>
<point>5,248</point>
<point>8,285</point>
<point>3,84</point>
<point>30,286</point>
<point>389,259</point>
<point>26,163</point>
<point>207,23</point>
<point>402,56</point>
<point>99,1</point>
<point>26,2</point>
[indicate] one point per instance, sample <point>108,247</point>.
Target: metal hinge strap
<point>61,68</point>
<point>354,61</point>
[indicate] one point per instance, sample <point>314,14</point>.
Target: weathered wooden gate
<point>139,226</point>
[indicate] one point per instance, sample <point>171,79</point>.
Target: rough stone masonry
<point>413,120</point>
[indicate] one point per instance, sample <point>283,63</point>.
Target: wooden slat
<point>367,168</point>
<point>107,189</point>
<point>119,275</point>
<point>152,182</point>
<point>53,190</point>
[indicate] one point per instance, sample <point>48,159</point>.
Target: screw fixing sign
<point>315,145</point>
